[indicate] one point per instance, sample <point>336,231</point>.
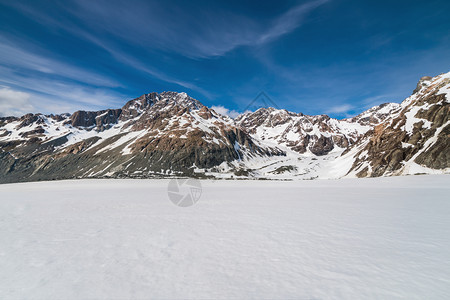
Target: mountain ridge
<point>172,134</point>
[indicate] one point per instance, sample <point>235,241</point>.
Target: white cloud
<point>17,57</point>
<point>340,109</point>
<point>231,31</point>
<point>211,33</point>
<point>60,96</point>
<point>289,21</point>
<point>225,111</point>
<point>377,100</point>
<point>146,26</point>
<point>36,83</point>
<point>14,103</point>
<point>139,65</point>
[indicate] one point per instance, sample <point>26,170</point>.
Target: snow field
<point>383,238</point>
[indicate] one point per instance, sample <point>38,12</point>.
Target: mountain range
<point>171,134</point>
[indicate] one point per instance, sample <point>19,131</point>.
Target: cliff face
<point>155,134</point>
<point>414,138</point>
<point>317,135</point>
<point>172,134</point>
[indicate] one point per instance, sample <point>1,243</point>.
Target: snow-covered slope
<point>389,139</point>
<point>173,134</point>
<point>376,114</point>
<point>155,134</point>
<point>311,144</point>
<point>156,115</point>
<point>317,135</point>
<point>415,138</point>
<point>378,238</point>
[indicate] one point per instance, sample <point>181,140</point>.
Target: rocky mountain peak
<point>376,115</point>
<point>170,133</point>
<point>265,116</point>
<point>413,139</point>
<point>423,81</point>
<point>155,101</point>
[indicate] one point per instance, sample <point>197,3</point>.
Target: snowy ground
<point>382,238</point>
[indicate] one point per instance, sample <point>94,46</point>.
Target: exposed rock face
<point>322,146</point>
<point>437,156</point>
<point>83,118</point>
<point>416,136</point>
<point>134,108</point>
<point>376,114</point>
<point>301,133</point>
<point>422,83</point>
<point>101,119</point>
<point>172,134</point>
<point>155,134</point>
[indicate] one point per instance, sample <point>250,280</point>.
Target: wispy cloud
<point>340,109</point>
<point>379,99</point>
<point>17,57</point>
<point>84,53</point>
<point>129,29</point>
<point>225,111</point>
<point>146,25</point>
<point>288,21</point>
<point>51,95</point>
<point>141,66</point>
<point>14,103</point>
<point>232,31</point>
<point>34,82</point>
<point>140,26</point>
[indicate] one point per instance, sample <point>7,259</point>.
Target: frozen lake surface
<point>383,238</point>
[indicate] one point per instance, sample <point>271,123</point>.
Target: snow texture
<point>383,238</point>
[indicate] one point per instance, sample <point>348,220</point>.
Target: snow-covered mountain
<point>317,135</point>
<point>413,138</point>
<point>173,134</point>
<point>155,134</point>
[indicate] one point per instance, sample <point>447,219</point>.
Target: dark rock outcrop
<point>172,134</point>
<point>416,134</point>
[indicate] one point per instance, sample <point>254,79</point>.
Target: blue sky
<point>337,57</point>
